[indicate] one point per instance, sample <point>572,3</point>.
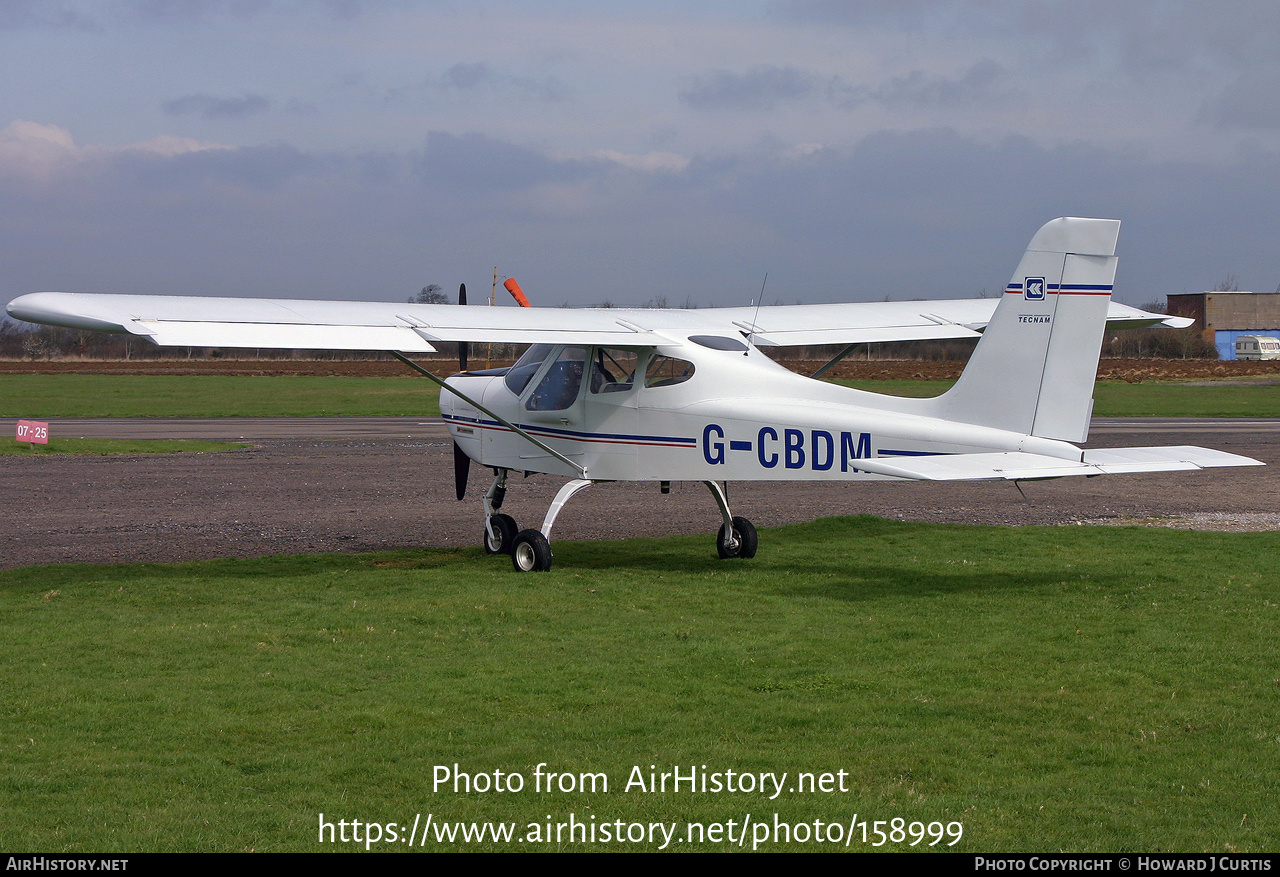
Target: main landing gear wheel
<point>531,552</point>
<point>506,529</point>
<point>744,540</point>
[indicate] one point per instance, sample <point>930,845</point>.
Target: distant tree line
<point>1158,344</point>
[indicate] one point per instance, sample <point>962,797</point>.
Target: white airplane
<point>687,395</point>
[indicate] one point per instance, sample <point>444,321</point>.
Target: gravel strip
<point>297,496</point>
<point>1225,522</point>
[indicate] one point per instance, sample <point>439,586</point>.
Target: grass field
<point>45,396</point>
<point>1070,688</point>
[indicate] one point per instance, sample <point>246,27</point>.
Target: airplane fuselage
<point>737,415</point>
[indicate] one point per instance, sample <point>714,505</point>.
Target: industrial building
<point>1222,317</point>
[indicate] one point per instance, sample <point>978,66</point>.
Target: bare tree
<point>431,294</point>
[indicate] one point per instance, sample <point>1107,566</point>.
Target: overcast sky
<point>629,151</point>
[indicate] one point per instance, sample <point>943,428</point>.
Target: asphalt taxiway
<point>347,484</point>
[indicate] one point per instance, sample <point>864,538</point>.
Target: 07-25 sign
<point>34,431</point>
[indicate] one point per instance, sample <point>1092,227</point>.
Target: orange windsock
<point>514,288</point>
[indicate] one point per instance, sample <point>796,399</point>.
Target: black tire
<point>748,541</point>
<point>506,527</point>
<point>531,552</point>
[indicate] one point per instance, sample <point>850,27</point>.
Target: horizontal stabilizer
<point>1020,466</point>
<point>1114,459</point>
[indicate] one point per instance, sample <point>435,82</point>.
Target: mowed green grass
<point>46,396</point>
<point>1071,688</point>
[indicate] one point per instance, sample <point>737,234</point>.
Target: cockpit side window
<point>526,367</point>
<point>667,371</point>
<point>559,387</point>
<point>613,370</point>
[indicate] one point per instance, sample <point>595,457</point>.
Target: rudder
<point>1033,369</point>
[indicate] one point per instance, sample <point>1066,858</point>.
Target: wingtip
<point>55,309</point>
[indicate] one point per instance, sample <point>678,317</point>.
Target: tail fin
<point>1034,368</point>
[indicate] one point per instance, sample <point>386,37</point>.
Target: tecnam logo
<point>1033,289</point>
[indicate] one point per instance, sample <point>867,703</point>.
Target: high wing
<point>191,321</point>
<point>874,322</point>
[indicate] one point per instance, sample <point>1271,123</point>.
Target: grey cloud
<point>196,10</point>
<point>982,84</point>
<point>1248,103</point>
<point>481,76</point>
<point>263,168</point>
<point>474,162</point>
<point>1145,38</point>
<point>345,9</point>
<point>211,107</point>
<point>764,87</point>
<point>937,214</point>
<point>906,214</point>
<point>201,10</point>
<point>760,88</point>
<point>468,76</point>
<point>865,12</point>
<point>19,14</point>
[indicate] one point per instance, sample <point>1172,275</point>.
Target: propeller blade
<point>463,347</point>
<point>461,469</point>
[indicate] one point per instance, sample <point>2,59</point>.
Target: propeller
<point>463,346</point>
<point>461,469</point>
<point>461,462</point>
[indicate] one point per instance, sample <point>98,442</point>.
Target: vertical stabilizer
<point>1034,368</point>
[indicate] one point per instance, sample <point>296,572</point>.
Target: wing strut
<point>474,404</point>
<point>835,360</point>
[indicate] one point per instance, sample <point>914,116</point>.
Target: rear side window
<point>614,371</point>
<point>667,371</point>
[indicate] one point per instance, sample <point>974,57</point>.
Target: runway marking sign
<point>35,432</point>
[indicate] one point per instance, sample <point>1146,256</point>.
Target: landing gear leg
<point>531,551</point>
<point>737,537</point>
<point>499,530</point>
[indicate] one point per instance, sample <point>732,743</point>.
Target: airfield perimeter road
<point>363,484</point>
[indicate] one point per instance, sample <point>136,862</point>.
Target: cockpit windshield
<point>526,367</point>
